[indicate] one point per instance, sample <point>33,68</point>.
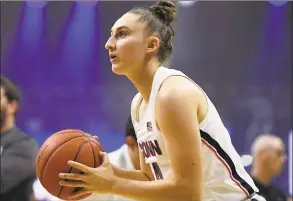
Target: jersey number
<point>157,171</point>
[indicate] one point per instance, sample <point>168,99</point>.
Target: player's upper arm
<point>177,106</point>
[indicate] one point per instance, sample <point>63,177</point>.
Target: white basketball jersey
<point>224,175</point>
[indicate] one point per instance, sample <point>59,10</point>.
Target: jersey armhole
<point>134,107</point>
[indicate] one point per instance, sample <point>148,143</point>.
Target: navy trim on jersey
<point>228,160</point>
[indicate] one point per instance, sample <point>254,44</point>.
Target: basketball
<point>57,150</point>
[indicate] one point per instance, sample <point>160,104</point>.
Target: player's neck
<point>143,79</point>
<point>262,175</point>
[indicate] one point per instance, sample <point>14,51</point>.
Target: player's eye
<point>122,34</point>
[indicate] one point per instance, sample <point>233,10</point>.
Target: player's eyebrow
<point>118,28</point>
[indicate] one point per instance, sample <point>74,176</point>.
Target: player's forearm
<point>163,190</point>
<point>137,175</point>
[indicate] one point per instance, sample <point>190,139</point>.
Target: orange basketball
<point>57,150</point>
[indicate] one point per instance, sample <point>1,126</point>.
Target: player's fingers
<point>72,176</point>
<point>79,166</point>
<point>105,157</point>
<point>78,192</point>
<point>96,137</point>
<point>70,183</point>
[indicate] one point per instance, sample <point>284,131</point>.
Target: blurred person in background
<point>127,156</point>
<point>18,150</point>
<point>269,159</point>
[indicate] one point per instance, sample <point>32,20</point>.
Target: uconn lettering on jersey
<point>150,148</point>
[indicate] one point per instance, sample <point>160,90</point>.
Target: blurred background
<point>240,53</point>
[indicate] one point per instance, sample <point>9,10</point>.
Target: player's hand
<point>98,180</point>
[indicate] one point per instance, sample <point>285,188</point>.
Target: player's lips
<point>113,57</point>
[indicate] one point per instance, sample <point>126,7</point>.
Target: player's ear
<point>153,44</point>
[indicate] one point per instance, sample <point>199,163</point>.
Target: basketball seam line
<point>88,137</point>
<point>70,169</point>
<point>89,140</point>
<point>93,153</point>
<point>96,143</point>
<point>101,159</point>
<point>90,143</point>
<point>61,132</point>
<point>58,133</point>
<point>52,152</point>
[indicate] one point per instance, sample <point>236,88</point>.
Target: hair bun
<point>165,10</point>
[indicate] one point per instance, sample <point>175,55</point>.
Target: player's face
<point>126,44</point>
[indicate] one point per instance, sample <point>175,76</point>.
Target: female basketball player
<point>186,152</point>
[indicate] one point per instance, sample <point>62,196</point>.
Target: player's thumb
<point>105,157</point>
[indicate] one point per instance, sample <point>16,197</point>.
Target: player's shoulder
<point>179,89</point>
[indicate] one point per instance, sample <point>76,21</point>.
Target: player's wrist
<point>116,185</point>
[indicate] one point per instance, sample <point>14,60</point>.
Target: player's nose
<point>110,44</point>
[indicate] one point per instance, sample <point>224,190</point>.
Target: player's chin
<point>118,69</point>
